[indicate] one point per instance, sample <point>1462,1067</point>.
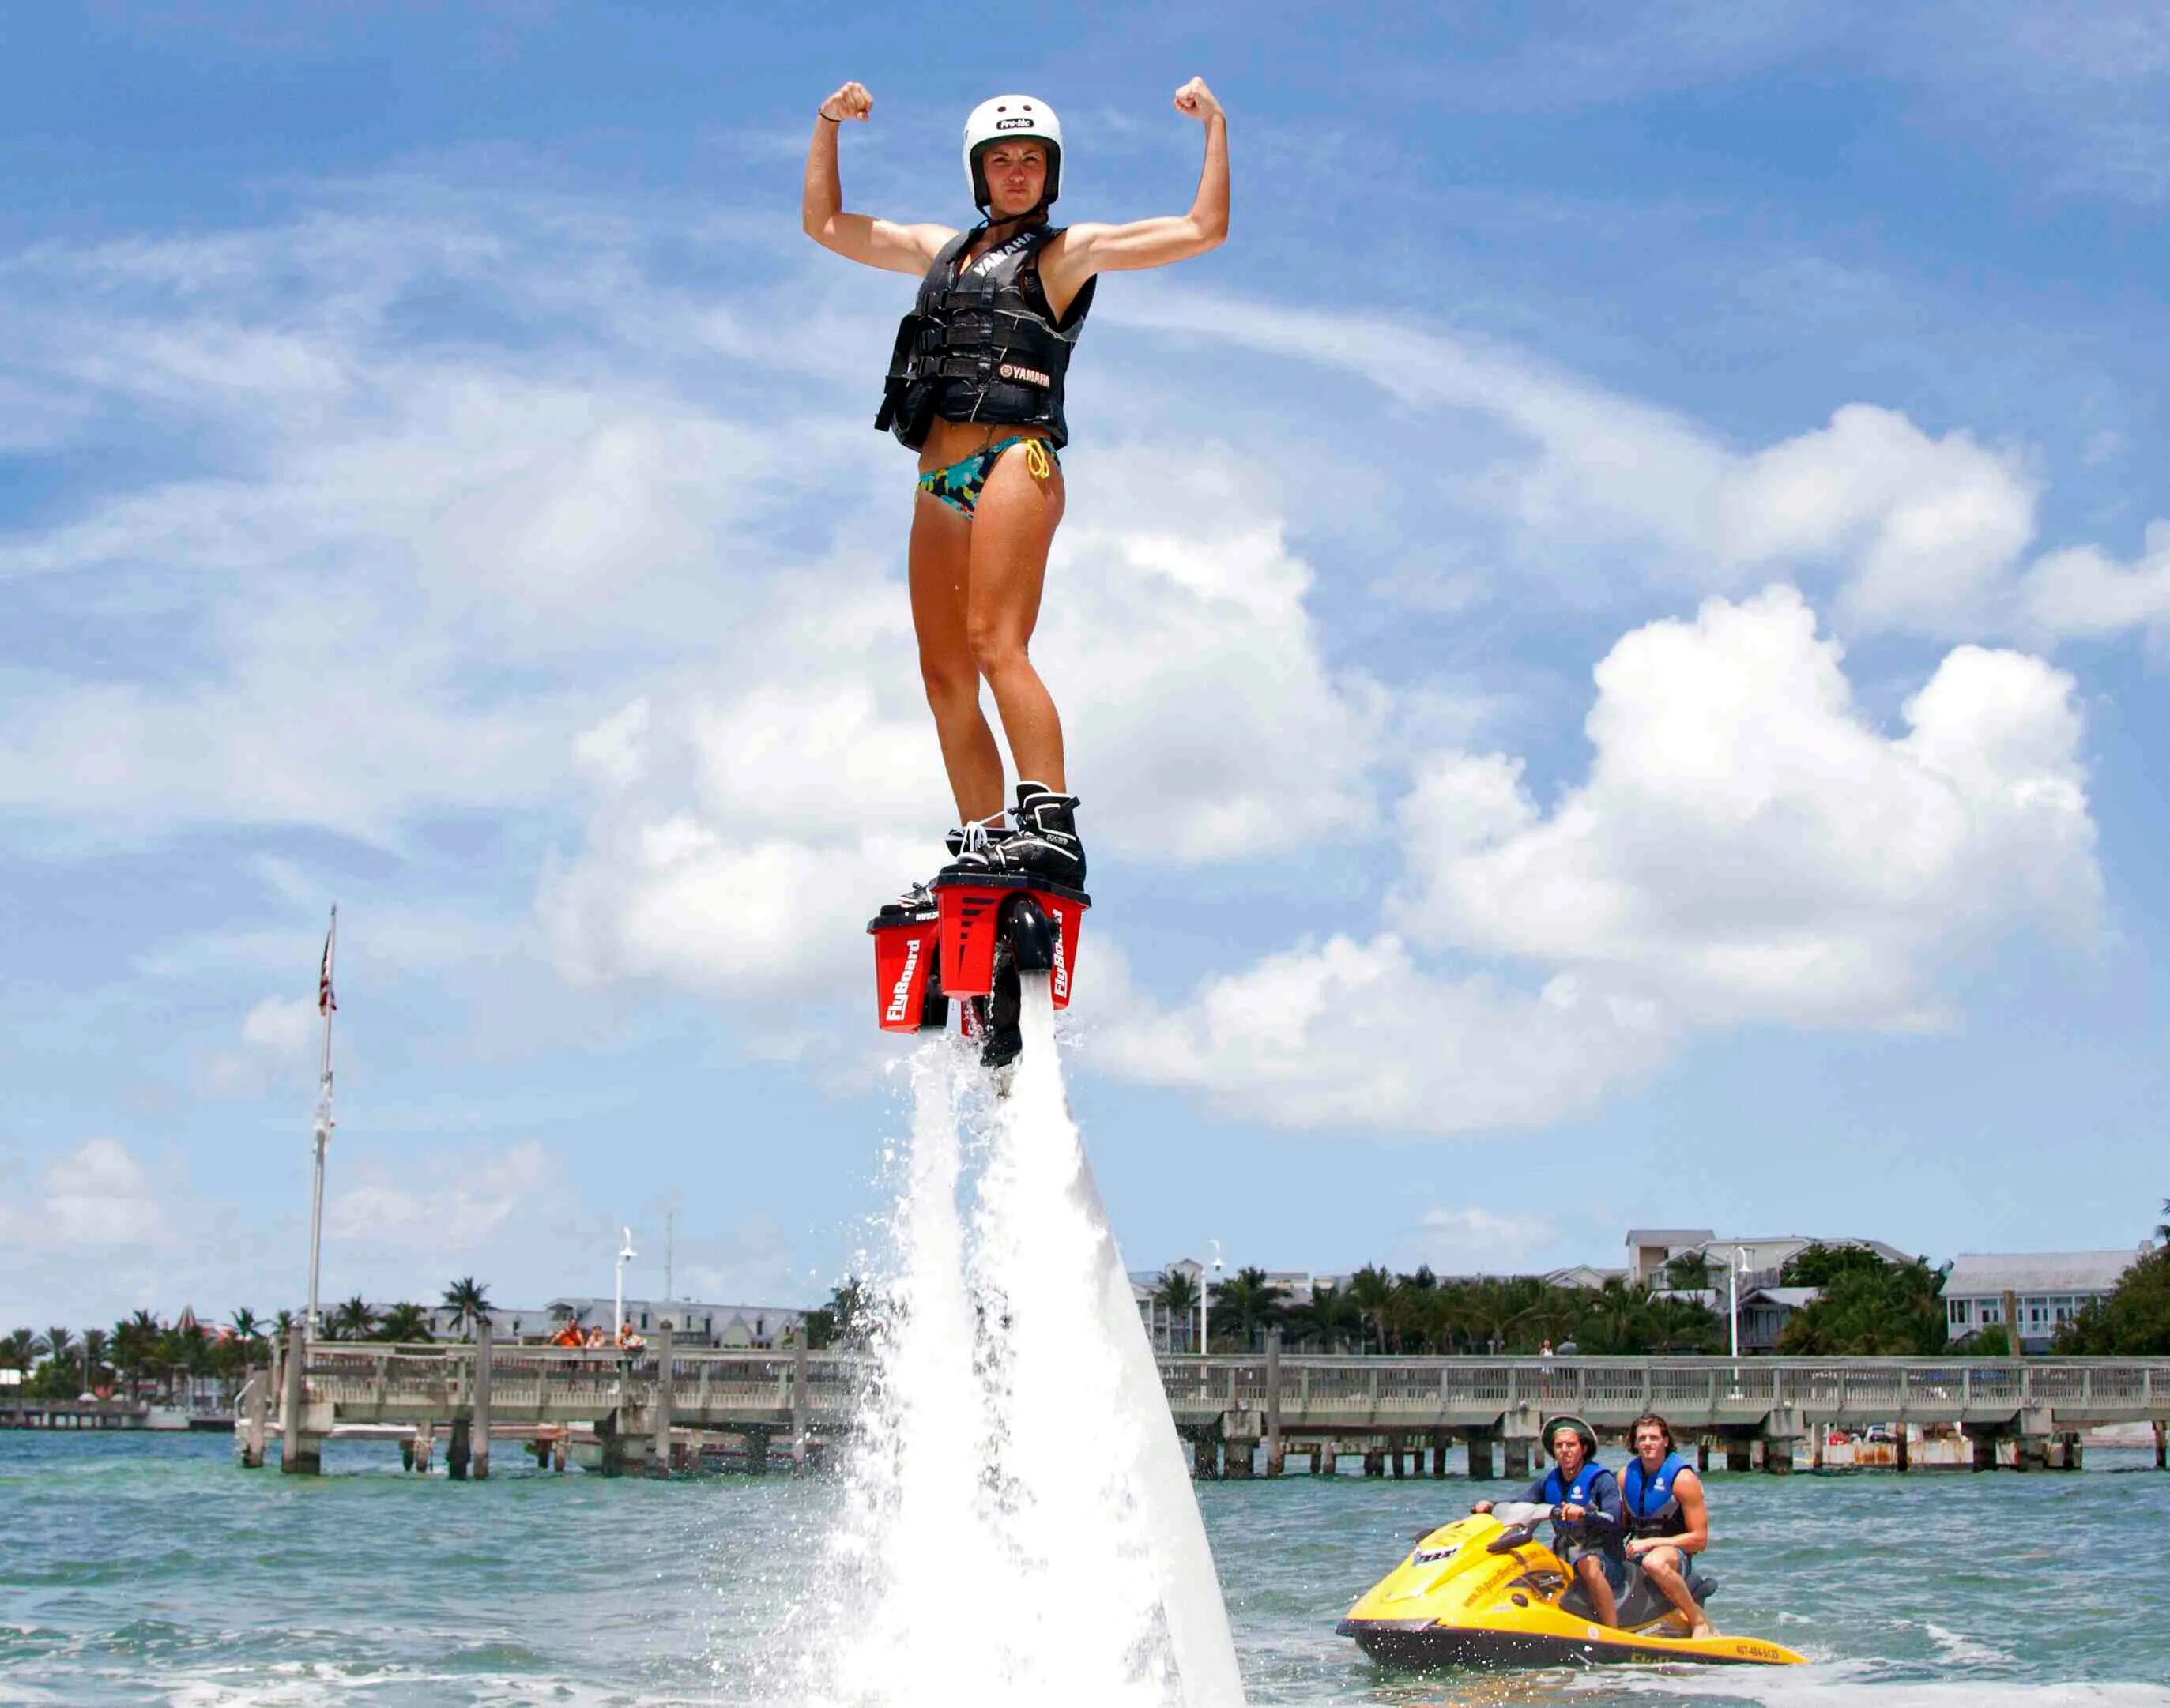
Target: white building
<point>2048,1289</point>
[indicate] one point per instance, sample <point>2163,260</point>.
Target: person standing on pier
<point>1588,1523</point>
<point>975,387</point>
<point>1667,1518</point>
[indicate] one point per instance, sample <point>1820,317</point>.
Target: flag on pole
<point>326,1003</point>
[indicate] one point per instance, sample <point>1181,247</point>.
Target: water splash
<point>1017,1524</point>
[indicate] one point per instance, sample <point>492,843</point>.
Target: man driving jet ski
<point>1589,1524</point>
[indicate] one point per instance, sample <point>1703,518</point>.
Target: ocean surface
<point>149,1569</point>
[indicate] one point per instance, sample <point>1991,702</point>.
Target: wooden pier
<point>662,1409</point>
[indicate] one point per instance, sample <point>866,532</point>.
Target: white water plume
<point>1018,1525</point>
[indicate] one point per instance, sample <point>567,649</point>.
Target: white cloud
<point>1749,845</point>
<point>450,1203</point>
<point>741,840</point>
<point>2084,592</point>
<point>1746,846</point>
<point>1920,534</point>
<point>1356,1035</point>
<point>282,1026</point>
<point>1471,1240</point>
<point>97,1197</point>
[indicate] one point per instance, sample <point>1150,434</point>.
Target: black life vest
<point>981,343</point>
<point>1654,1509</point>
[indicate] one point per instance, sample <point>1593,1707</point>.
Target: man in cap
<point>1588,1527</point>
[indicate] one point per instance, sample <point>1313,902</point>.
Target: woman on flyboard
<point>975,387</point>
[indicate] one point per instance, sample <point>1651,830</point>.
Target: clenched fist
<point>1195,98</point>
<point>853,101</point>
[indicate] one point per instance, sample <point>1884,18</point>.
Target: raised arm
<point>1085,250</point>
<point>861,237</point>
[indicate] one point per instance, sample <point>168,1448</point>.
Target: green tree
<point>1990,1343</point>
<point>19,1350</point>
<point>57,1347</point>
<point>851,1311</point>
<point>2163,1227</point>
<point>1245,1306</point>
<point>468,1300</point>
<point>1177,1295</point>
<point>352,1320</point>
<point>1371,1291</point>
<point>96,1349</point>
<point>2133,1321</point>
<point>1869,1308</point>
<point>249,1330</point>
<point>407,1324</point>
<point>1689,1272</point>
<point>1819,1265</point>
<point>1330,1323</point>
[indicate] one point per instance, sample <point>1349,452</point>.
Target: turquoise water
<point>148,1569</point>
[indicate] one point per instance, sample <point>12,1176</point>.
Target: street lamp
<point>1205,1295</point>
<point>617,1297</point>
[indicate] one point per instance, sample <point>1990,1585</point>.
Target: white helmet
<point>1005,117</point>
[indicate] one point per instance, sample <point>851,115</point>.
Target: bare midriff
<point>953,442</point>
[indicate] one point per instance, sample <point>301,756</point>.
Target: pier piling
<point>659,1452</point>
<point>299,1455</point>
<point>1480,1455</point>
<point>802,1408</point>
<point>480,1465</point>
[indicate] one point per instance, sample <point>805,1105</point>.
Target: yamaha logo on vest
<point>900,995</point>
<point>1031,376</point>
<point>993,259</point>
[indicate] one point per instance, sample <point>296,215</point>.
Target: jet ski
<point>1483,1592</point>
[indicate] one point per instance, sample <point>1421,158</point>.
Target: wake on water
<point>982,1556</point>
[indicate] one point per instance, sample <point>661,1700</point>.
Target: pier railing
<point>360,1382</point>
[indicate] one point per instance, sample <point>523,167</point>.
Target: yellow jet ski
<point>1483,1592</point>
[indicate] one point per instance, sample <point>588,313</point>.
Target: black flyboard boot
<point>1044,844</point>
<point>972,853</point>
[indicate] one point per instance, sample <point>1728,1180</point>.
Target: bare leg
<point>1015,525</point>
<point>1665,1568</point>
<point>1591,1571</point>
<point>940,570</point>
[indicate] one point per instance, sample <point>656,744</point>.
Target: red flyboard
<point>972,912</point>
<point>904,958</point>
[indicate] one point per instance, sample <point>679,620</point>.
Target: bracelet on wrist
<point>819,113</point>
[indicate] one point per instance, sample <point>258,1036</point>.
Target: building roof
<point>1673,1237</point>
<point>1984,1274</point>
<point>1786,1298</point>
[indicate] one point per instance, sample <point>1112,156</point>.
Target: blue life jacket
<point>1653,1508</point>
<point>1587,1490</point>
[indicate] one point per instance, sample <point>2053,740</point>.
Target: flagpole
<point>327,1005</point>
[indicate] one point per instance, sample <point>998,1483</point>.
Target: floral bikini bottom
<point>960,485</point>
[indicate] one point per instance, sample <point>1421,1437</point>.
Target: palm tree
<point>1177,1295</point>
<point>2163,1227</point>
<point>1689,1272</point>
<point>96,1349</point>
<point>1245,1306</point>
<point>135,1345</point>
<point>248,1328</point>
<point>58,1346</point>
<point>406,1324</point>
<point>1372,1290</point>
<point>19,1350</point>
<point>353,1320</point>
<point>468,1300</point>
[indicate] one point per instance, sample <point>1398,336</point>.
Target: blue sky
<point>1610,638</point>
